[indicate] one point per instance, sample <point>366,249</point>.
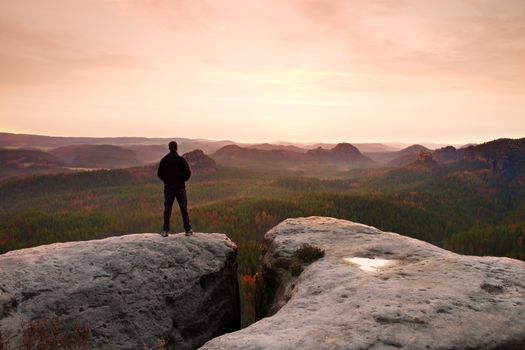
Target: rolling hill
<point>341,154</point>
<point>398,158</point>
<point>14,162</point>
<point>48,142</point>
<point>96,156</point>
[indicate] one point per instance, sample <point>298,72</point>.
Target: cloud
<point>167,13</point>
<point>29,57</point>
<point>373,45</point>
<point>477,48</point>
<point>15,36</point>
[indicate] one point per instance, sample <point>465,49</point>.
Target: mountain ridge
<point>342,154</point>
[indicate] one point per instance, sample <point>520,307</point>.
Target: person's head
<point>173,146</point>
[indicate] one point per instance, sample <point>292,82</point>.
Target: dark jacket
<point>174,171</point>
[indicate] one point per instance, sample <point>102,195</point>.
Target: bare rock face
<point>200,163</point>
<point>380,290</point>
<point>446,155</point>
<point>128,292</point>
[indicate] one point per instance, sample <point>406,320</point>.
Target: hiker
<point>174,171</point>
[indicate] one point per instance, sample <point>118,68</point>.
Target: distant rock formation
<point>502,155</point>
<point>342,153</point>
<point>398,158</point>
<point>446,154</point>
<point>511,161</point>
<point>409,155</point>
<point>424,164</point>
<point>379,290</point>
<point>130,291</point>
<point>200,163</point>
<point>425,157</point>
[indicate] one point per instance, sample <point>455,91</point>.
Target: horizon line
<point>274,142</point>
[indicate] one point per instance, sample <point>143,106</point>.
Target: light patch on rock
<point>369,265</point>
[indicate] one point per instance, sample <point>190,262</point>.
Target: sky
<point>445,71</point>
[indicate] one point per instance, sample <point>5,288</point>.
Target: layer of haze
<point>448,71</point>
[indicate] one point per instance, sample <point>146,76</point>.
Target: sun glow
<point>354,71</point>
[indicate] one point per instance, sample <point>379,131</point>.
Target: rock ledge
<point>131,291</point>
<point>421,297</point>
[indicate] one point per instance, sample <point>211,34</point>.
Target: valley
<point>475,205</point>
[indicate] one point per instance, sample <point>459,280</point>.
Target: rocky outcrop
<point>424,164</point>
<point>200,163</point>
<point>447,154</point>
<point>380,290</point>
<point>398,158</point>
<point>505,156</point>
<point>128,292</point>
<point>342,153</point>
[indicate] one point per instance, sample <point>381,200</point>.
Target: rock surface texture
<point>380,290</point>
<point>131,291</point>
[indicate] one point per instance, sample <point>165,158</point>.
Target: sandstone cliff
<point>129,291</point>
<point>380,290</point>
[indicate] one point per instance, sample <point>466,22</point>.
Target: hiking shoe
<point>164,233</point>
<point>189,232</point>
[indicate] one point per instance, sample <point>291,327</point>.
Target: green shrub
<point>296,268</point>
<point>309,253</point>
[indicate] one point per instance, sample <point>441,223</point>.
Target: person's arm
<point>160,171</point>
<point>187,170</point>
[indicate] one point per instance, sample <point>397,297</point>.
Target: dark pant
<point>169,197</point>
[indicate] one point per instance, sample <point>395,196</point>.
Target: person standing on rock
<point>174,171</point>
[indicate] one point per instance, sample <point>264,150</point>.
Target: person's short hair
<point>173,146</point>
